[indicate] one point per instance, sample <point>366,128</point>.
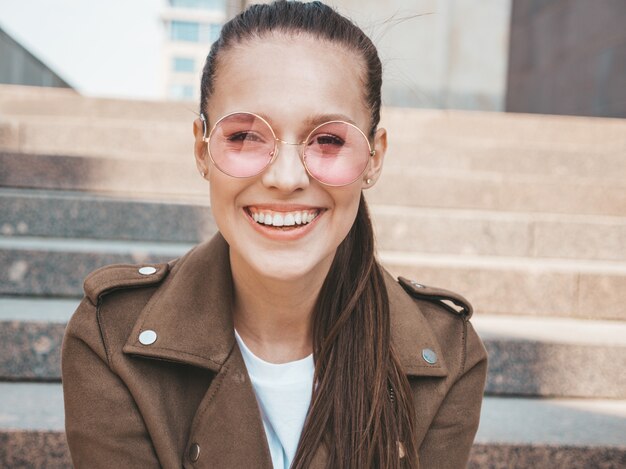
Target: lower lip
<point>284,235</point>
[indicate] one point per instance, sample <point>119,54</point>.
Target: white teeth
<point>289,220</point>
<point>284,219</point>
<point>277,220</point>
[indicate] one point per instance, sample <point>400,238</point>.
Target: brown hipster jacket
<point>181,396</point>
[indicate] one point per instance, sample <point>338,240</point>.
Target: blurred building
<point>447,54</point>
<point>568,57</point>
<point>18,66</point>
<point>191,26</point>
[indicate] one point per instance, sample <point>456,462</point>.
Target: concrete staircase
<point>525,215</point>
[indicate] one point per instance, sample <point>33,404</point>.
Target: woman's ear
<point>200,148</point>
<point>376,162</point>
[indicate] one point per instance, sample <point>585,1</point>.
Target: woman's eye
<point>244,137</point>
<point>328,139</point>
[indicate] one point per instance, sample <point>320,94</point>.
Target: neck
<point>274,316</point>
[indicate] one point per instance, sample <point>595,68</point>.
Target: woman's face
<point>295,83</point>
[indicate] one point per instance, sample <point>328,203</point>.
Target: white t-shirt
<point>283,392</point>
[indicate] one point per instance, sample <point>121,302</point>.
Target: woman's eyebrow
<point>321,118</point>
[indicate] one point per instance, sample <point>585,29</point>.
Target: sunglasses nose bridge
<point>292,144</point>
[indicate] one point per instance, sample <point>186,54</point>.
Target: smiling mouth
<point>283,220</point>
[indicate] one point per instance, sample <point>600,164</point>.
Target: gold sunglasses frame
<point>275,150</point>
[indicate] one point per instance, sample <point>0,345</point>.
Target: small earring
<point>368,181</point>
<point>203,172</point>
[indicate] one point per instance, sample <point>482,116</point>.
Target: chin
<point>290,266</point>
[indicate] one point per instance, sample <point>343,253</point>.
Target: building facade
<point>190,26</point>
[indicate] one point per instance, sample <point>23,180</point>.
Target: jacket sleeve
<point>449,439</point>
<point>103,426</point>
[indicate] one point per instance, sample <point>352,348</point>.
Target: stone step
<point>550,433</point>
<point>57,267</point>
<point>510,129</point>
<point>490,191</point>
<point>398,186</point>
<point>495,285</point>
<point>21,102</point>
<point>514,432</point>
<point>493,233</point>
<point>558,357</point>
<point>27,212</point>
<point>31,333</point>
<point>404,124</point>
<point>163,180</point>
<point>521,286</point>
<point>31,426</point>
<point>522,159</point>
<point>63,214</point>
<point>529,357</point>
<point>115,138</point>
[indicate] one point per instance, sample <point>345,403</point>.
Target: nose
<point>287,172</point>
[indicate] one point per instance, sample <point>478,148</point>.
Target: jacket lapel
<point>191,315</point>
<point>191,311</point>
<point>228,425</point>
<point>411,334</point>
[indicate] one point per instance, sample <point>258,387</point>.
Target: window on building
<point>219,5</point>
<point>181,91</point>
<point>183,64</point>
<point>189,31</point>
<point>185,31</point>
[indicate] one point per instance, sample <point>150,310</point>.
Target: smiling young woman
<point>281,342</point>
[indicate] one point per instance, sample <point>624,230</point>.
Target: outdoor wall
<point>449,54</point>
<point>568,57</point>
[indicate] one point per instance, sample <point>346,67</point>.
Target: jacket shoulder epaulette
<point>450,301</point>
<point>119,276</point>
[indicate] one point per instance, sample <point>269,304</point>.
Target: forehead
<point>288,79</point>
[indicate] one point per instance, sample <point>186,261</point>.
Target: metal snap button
<point>147,337</point>
<point>148,270</point>
<point>429,356</point>
<point>194,452</point>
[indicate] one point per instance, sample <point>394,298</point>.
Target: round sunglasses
<point>243,144</point>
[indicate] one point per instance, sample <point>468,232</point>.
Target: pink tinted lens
<point>336,153</point>
<point>241,145</point>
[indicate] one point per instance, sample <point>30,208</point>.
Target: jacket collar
<point>191,315</point>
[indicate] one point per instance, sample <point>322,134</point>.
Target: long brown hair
<point>362,408</point>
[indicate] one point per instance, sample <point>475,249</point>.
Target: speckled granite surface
<point>79,215</point>
<point>100,174</point>
<point>30,350</point>
<point>56,272</point>
<point>532,368</point>
<point>34,450</point>
<point>501,456</point>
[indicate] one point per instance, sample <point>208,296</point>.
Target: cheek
<point>223,194</point>
<point>346,206</point>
